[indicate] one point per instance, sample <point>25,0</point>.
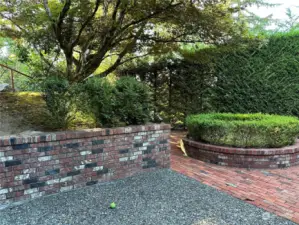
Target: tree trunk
<point>170,94</point>
<point>155,92</point>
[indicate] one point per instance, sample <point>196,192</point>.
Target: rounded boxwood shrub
<point>243,130</point>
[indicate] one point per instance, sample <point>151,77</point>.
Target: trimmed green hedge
<point>243,130</point>
<point>261,78</point>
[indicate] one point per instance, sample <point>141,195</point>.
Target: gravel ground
<point>160,197</point>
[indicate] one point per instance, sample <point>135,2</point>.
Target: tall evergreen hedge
<point>260,79</point>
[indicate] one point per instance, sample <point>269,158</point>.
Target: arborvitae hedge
<point>260,79</point>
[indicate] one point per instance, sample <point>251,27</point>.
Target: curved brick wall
<point>33,166</point>
<point>244,158</point>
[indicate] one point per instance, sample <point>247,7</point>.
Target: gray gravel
<point>160,197</point>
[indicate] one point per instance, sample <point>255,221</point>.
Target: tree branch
<point>88,20</point>
<point>115,10</point>
<point>148,17</point>
<point>108,71</point>
<point>76,61</point>
<point>110,55</point>
<point>157,40</point>
<point>44,59</point>
<point>62,15</point>
<point>14,23</point>
<point>48,11</point>
<point>123,53</point>
<point>132,58</point>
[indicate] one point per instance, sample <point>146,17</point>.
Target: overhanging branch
<point>150,16</point>
<point>88,20</point>
<point>57,26</point>
<point>48,11</point>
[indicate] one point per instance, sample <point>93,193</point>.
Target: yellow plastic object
<point>182,147</point>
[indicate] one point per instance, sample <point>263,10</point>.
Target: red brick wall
<point>244,158</point>
<point>33,166</point>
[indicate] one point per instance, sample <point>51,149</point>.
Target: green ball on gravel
<point>112,205</point>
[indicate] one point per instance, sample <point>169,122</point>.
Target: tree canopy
<point>75,37</point>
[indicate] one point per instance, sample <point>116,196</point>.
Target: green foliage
<point>133,101</point>
<point>14,55</point>
<point>98,98</point>
<point>261,78</point>
<point>114,103</point>
<point>57,101</point>
<point>75,37</point>
<point>178,86</point>
<point>291,23</point>
<point>97,102</point>
<point>243,130</point>
<point>246,76</point>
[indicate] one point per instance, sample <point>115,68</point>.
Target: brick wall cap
<point>86,133</point>
<point>244,151</point>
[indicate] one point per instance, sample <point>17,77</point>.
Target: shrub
<point>98,98</point>
<point>120,103</point>
<point>57,101</point>
<point>96,103</point>
<point>243,130</point>
<point>133,101</point>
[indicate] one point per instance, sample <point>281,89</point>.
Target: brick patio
<point>275,190</point>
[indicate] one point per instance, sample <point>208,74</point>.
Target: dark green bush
<point>243,130</point>
<point>259,78</point>
<point>97,102</point>
<point>68,105</point>
<point>57,101</point>
<point>120,103</point>
<point>98,97</point>
<point>178,86</point>
<point>133,101</point>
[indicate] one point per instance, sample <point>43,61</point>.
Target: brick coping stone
<point>85,133</point>
<point>259,158</point>
<point>49,163</point>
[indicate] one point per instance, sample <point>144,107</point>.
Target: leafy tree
<point>291,23</point>
<point>75,37</point>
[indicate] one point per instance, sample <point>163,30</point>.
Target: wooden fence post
<point>12,81</point>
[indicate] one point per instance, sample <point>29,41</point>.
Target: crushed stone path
<point>162,197</point>
<point>276,190</point>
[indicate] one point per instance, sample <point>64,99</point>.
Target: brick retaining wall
<point>244,158</point>
<point>33,166</point>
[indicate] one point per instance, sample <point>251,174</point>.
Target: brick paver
<point>275,190</point>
